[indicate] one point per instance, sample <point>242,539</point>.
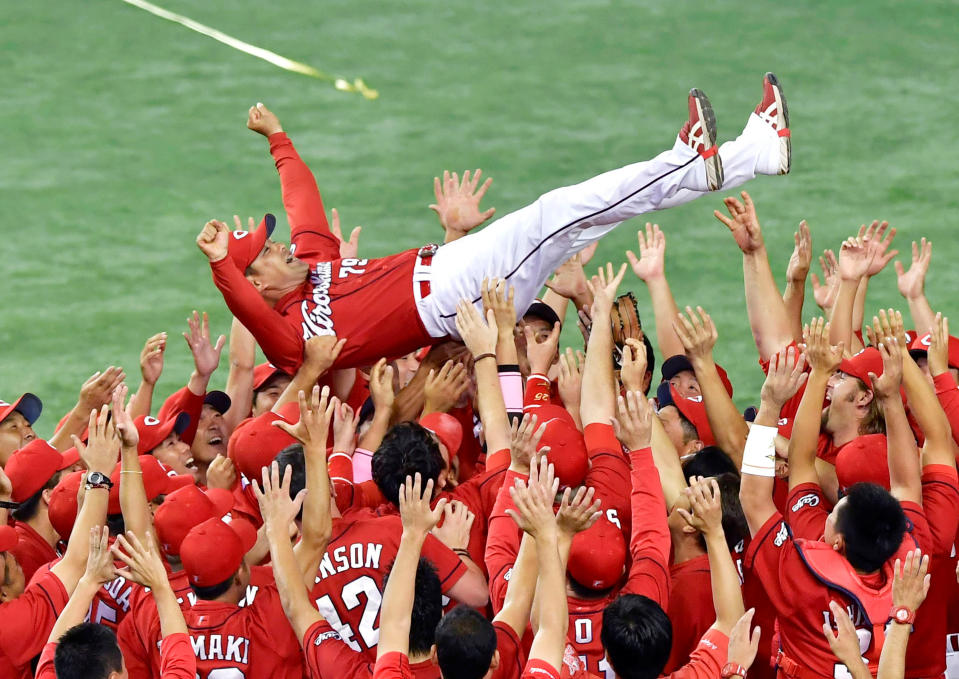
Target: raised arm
<point>707,518</point>
<point>935,425</point>
<point>457,203</point>
<point>598,403</point>
<point>855,260</point>
<point>796,272</point>
<point>910,586</point>
<point>381,391</point>
<point>319,354</point>
<point>824,359</point>
<point>825,292</point>
<point>99,570</point>
<point>239,381</point>
<point>912,285</point>
<point>134,504</point>
<point>877,238</point>
<point>650,267</point>
<point>698,336</point>
<point>568,283</point>
<point>95,393</point>
<point>151,367</point>
<point>768,318</point>
<point>418,521</point>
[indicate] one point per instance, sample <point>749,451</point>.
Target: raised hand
<point>102,448</point>
<point>888,324</point>
<point>457,522</point>
<point>743,646</point>
<point>381,385</point>
<point>570,382</point>
<point>478,334</point>
<point>855,259</point>
<point>698,335</point>
<point>151,358</point>
<point>821,355</point>
<point>457,203</point>
<point>633,365</point>
<point>321,352</point>
<point>349,248</point>
<point>261,119</point>
<point>214,240</point>
<point>877,240</point>
<point>569,280</point>
<point>578,512</point>
<point>497,296</point>
<point>706,504</point>
<point>912,283</point>
<point>784,378</point>
<point>887,385</point>
<point>144,563</point>
<point>344,429</point>
<point>939,346</point>
<point>273,495</point>
<point>825,293</point>
<point>743,223</point>
<point>524,441</point>
<point>651,262</point>
<point>315,416</point>
<point>126,429</point>
<point>97,391</point>
<point>417,516</point>
<point>634,420</point>
<point>910,583</point>
<point>206,356</point>
<point>99,559</point>
<point>221,473</point>
<point>445,388</point>
<point>801,258</point>
<point>541,354</point>
<point>844,642</point>
<point>604,286</point>
<point>534,500</point>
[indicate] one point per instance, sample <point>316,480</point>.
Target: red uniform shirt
<point>32,551</point>
<point>353,298</point>
<point>176,660</point>
<point>690,608</point>
<point>27,622</point>
<point>328,657</point>
<point>111,603</point>
<point>800,598</point>
<point>349,581</point>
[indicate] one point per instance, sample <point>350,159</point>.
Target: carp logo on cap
<point>150,421</point>
<point>240,233</point>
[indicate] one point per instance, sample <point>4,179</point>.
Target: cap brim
<point>543,312</point>
<point>70,457</point>
<point>674,365</point>
<point>176,482</point>
<point>181,423</point>
<point>244,530</point>
<point>27,405</point>
<point>222,500</point>
<point>218,400</point>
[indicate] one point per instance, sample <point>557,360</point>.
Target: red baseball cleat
<point>699,133</point>
<point>774,112</point>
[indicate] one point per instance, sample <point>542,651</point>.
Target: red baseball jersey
<point>353,298</point>
<point>32,551</point>
<point>328,657</point>
<point>176,660</point>
<point>690,608</point>
<point>111,603</point>
<point>349,582</point>
<point>27,622</point>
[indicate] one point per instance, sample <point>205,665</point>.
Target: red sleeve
<point>707,661</point>
<point>948,394</point>
<point>502,543</point>
<point>511,654</point>
<point>763,557</point>
<point>806,511</point>
<point>324,648</point>
<point>609,473</point>
<point>135,656</point>
<point>497,460</point>
<point>29,619</point>
<point>394,665</point>
<point>940,503</point>
<point>649,543</point>
<point>280,341</point>
<point>340,468</point>
<point>45,668</point>
<point>539,669</point>
<point>448,566</point>
<point>309,230</point>
<point>177,660</point>
<point>537,391</point>
<point>183,401</point>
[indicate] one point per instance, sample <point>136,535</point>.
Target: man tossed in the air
<point>397,304</point>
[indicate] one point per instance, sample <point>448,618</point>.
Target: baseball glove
<point>626,323</point>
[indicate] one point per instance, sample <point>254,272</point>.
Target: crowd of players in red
<point>502,507</point>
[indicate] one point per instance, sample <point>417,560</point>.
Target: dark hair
<point>406,449</point>
<point>87,651</point>
<point>28,509</point>
<point>734,519</point>
<point>710,461</point>
<point>465,643</point>
<point>116,525</point>
<point>650,360</point>
<point>427,606</point>
<point>292,456</point>
<point>581,591</point>
<point>637,636</point>
<point>690,433</point>
<point>213,591</point>
<point>872,524</point>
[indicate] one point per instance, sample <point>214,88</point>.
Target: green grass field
<point>125,133</point>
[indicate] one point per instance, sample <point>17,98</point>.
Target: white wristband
<point>759,455</point>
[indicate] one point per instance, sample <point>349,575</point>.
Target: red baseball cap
<point>27,405</point>
<point>255,443</point>
<point>869,360</point>
<point>185,508</point>
<point>32,466</point>
<point>9,538</point>
<point>567,447</point>
<point>245,246</point>
<point>213,550</point>
<point>674,365</point>
<point>446,428</point>
<point>692,409</point>
<point>920,348</point>
<point>62,508</point>
<point>598,555</point>
<point>158,479</point>
<point>863,459</point>
<point>152,431</point>
<point>264,372</point>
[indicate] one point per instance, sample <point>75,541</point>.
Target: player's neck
<point>686,548</point>
<point>41,524</point>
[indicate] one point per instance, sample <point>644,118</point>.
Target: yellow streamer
<point>342,84</point>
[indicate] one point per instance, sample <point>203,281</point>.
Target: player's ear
<point>494,662</point>
<point>864,398</point>
<point>839,543</point>
<point>433,658</point>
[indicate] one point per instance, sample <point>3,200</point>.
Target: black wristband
<point>462,552</point>
<point>6,504</point>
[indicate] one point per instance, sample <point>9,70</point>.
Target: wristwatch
<point>98,480</point>
<point>732,669</point>
<point>902,615</point>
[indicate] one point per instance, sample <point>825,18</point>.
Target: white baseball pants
<point>527,246</point>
